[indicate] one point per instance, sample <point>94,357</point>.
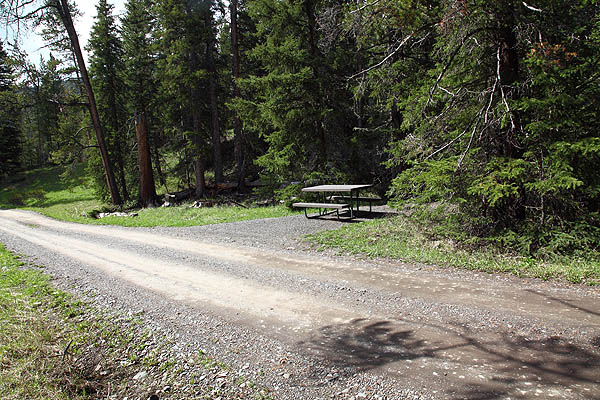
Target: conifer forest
<point>484,114</point>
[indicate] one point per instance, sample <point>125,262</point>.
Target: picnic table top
<point>335,188</point>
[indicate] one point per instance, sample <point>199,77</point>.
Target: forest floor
<point>302,324</point>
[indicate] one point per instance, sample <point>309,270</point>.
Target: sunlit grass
<point>72,199</point>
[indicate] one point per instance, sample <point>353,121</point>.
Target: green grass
<point>402,239</point>
<point>72,199</point>
<point>54,347</point>
<point>37,327</point>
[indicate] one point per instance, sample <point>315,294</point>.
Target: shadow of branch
<point>361,345</point>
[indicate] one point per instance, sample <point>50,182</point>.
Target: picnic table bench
<point>351,194</point>
<point>358,199</point>
<point>321,206</point>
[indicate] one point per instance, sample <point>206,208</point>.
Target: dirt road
<point>348,327</point>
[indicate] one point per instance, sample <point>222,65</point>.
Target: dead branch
<point>463,155</point>
<point>446,145</point>
<point>390,55</point>
<point>66,351</point>
<point>531,7</point>
<point>365,6</point>
<point>449,63</point>
<point>512,122</point>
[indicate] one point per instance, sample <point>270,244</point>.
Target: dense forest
<point>483,112</point>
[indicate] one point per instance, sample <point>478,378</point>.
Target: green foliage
<point>10,110</point>
<point>299,102</point>
<point>106,72</point>
<point>505,124</point>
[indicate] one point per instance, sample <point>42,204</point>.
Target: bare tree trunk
<point>198,160</point>
<point>157,164</point>
<point>237,126</point>
<point>147,188</point>
<point>65,15</point>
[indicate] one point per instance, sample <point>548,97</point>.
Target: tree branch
<point>365,6</point>
<point>512,122</point>
<point>397,49</point>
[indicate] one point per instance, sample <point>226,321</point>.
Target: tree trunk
<point>156,156</point>
<point>318,71</point>
<point>118,145</point>
<point>65,15</point>
<point>147,188</point>
<point>237,127</point>
<point>214,107</point>
<point>198,160</point>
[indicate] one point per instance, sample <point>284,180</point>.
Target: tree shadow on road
<point>511,361</point>
<point>565,303</point>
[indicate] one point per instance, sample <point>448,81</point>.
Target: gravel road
<point>310,325</point>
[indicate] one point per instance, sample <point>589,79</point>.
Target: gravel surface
<point>307,325</point>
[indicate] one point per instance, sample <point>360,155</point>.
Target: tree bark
<point>198,160</point>
<point>147,188</point>
<point>65,16</point>
<point>237,127</point>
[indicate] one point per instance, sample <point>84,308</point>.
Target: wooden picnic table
<point>352,190</point>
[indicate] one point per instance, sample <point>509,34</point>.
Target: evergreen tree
<point>299,103</point>
<point>48,107</point>
<point>238,39</point>
<point>185,109</point>
<point>503,121</point>
<point>10,141</point>
<point>106,66</point>
<point>139,72</point>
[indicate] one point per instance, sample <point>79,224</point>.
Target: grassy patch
<point>42,338</point>
<point>53,347</point>
<point>186,216</point>
<point>401,238</point>
<point>72,199</point>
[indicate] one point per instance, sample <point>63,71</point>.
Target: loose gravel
<point>348,360</point>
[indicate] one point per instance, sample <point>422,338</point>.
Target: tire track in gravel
<point>449,358</point>
<point>528,302</point>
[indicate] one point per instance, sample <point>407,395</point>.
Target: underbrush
<point>411,238</point>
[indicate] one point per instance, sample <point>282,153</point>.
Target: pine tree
<point>10,141</point>
<point>185,109</point>
<point>106,66</point>
<point>299,103</point>
<point>139,73</point>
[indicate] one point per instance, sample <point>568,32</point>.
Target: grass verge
<point>69,197</point>
<point>400,238</point>
<point>54,347</point>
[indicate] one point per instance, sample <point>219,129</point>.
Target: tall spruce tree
<point>185,110</point>
<point>106,66</point>
<point>10,106</point>
<point>49,106</point>
<point>299,103</point>
<point>140,90</point>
